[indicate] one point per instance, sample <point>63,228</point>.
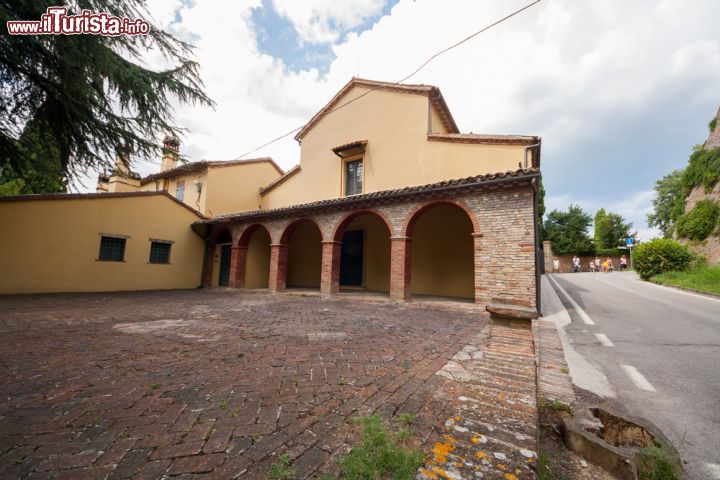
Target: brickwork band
<point>503,246</point>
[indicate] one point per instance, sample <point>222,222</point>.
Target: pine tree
<point>79,97</point>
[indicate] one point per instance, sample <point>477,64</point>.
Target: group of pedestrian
<point>595,265</point>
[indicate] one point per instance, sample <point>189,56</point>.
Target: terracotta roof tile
<point>469,182</point>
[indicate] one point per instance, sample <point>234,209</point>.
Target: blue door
<point>351,259</point>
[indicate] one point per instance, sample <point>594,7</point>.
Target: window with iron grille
<point>112,249</point>
<point>180,190</point>
<point>353,177</point>
<point>160,252</point>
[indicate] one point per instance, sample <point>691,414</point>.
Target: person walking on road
<point>597,264</point>
<point>591,267</point>
<point>611,268</point>
<point>556,265</point>
<point>623,263</point>
<point>576,264</point>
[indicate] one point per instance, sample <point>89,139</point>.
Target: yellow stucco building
<point>388,197</point>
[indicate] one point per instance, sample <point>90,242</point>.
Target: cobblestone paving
<point>493,432</point>
<point>218,383</point>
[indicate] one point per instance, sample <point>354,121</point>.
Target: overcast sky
<point>619,90</point>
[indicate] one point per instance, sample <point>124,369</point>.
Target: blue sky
<point>620,91</point>
<point>278,37</point>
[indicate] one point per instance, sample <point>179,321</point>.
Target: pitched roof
<point>279,181</point>
<point>484,139</point>
<point>95,196</point>
<point>502,178</point>
<point>430,91</point>
<point>194,167</point>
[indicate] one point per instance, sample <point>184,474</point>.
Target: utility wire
<point>484,29</point>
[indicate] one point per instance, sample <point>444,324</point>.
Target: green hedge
<point>700,222</point>
<point>660,255</point>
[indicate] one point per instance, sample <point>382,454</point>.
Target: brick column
<point>209,261</point>
<point>238,257</point>
<point>330,272</point>
<point>278,267</point>
<point>479,272</point>
<point>400,249</point>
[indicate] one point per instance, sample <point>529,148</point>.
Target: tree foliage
<point>703,169</point>
<point>568,231</point>
<point>78,97</point>
<point>668,203</point>
<point>660,255</point>
<point>700,222</point>
<point>610,230</point>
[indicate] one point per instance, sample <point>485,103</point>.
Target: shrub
<point>699,223</point>
<point>660,255</point>
<point>703,169</point>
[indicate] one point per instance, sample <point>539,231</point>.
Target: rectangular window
<point>160,252</point>
<point>180,190</point>
<point>353,177</point>
<point>112,249</point>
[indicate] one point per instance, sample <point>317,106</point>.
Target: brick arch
<point>345,221</point>
<point>422,208</point>
<point>247,233</point>
<point>290,228</point>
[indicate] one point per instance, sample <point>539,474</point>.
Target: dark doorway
<point>224,279</point>
<point>351,259</point>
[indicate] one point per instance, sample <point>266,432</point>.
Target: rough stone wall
<point>710,247</point>
<point>713,140</point>
<point>503,223</point>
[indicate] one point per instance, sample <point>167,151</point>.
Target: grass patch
<point>380,455</point>
<point>544,470</point>
<point>407,418</point>
<point>224,404</point>
<point>545,405</point>
<point>657,464</point>
<point>705,278</point>
<point>280,470</point>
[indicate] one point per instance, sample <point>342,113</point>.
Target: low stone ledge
<point>513,312</point>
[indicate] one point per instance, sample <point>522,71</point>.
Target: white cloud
<point>323,21</point>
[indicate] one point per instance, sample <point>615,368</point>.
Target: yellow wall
<point>376,255</point>
<point>228,189</point>
<point>191,197</point>
<point>398,153</point>
<point>257,264</point>
<point>53,245</point>
<point>237,188</point>
<point>442,253</point>
<point>304,256</point>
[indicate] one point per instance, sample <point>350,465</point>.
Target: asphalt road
<point>660,351</point>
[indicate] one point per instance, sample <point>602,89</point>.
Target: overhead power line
<point>430,59</point>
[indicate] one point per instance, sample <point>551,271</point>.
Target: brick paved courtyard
<point>141,385</point>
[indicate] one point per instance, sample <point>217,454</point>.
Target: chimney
<point>122,161</point>
<point>171,151</point>
<point>102,183</point>
<point>713,140</point>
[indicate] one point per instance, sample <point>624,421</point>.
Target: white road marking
<point>637,378</point>
<point>584,374</point>
<point>581,313</point>
<point>712,469</point>
<point>603,339</point>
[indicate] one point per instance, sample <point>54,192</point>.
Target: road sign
<point>629,241</point>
